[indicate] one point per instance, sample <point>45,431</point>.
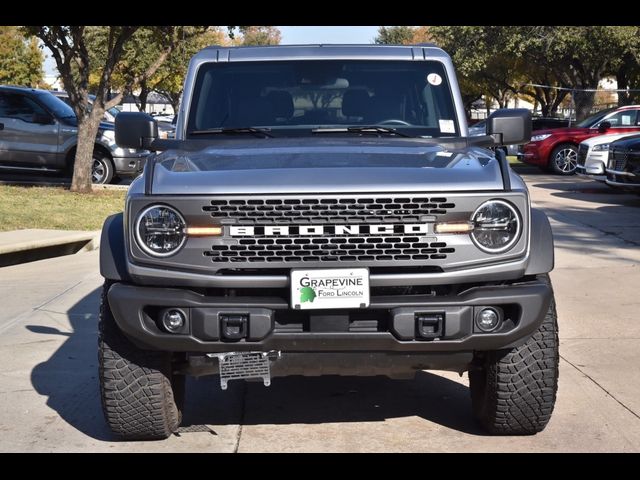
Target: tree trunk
<point>175,104</point>
<point>83,163</point>
<point>144,95</point>
<point>584,103</point>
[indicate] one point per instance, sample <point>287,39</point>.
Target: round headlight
<point>496,226</point>
<point>160,231</point>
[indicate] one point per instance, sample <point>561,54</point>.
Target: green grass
<point>56,208</point>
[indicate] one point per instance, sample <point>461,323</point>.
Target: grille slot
<point>619,160</point>
<point>396,209</point>
<point>329,249</point>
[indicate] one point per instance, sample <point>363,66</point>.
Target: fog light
<point>487,320</point>
<point>173,320</point>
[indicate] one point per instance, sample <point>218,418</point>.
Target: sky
<point>294,35</point>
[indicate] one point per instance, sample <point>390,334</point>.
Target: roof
<point>18,88</point>
<point>321,52</point>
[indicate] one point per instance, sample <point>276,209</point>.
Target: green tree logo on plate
<point>307,294</point>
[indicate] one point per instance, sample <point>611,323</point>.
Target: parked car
<point>362,236</point>
<point>167,129</point>
<point>109,115</point>
<point>623,166</point>
<point>39,132</point>
<point>557,149</point>
<point>593,154</point>
<point>537,123</point>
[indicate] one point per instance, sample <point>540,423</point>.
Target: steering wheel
<point>393,121</point>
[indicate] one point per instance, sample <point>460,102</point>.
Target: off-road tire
<point>513,392</point>
<point>141,398</point>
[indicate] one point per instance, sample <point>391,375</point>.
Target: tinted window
<point>626,118</point>
<point>57,106</point>
<point>412,96</point>
<point>19,107</point>
<point>591,121</point>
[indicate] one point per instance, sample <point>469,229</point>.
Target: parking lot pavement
<point>49,393</point>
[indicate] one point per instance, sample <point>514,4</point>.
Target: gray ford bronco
<point>322,211</point>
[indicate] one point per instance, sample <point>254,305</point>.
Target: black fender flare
<point>541,255</point>
<point>113,254</point>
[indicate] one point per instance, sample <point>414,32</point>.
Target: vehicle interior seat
<point>356,103</point>
<point>281,103</point>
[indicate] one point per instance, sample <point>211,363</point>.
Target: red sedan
<point>557,149</point>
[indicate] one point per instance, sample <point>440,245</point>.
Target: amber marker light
<point>454,227</point>
<point>204,231</point>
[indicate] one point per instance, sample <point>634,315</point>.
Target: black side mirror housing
<point>135,130</point>
<point>42,118</point>
<point>511,126</point>
<point>604,126</point>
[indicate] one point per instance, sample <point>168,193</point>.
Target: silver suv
<point>39,132</point>
<point>323,210</point>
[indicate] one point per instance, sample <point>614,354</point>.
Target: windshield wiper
<point>374,129</point>
<point>264,132</point>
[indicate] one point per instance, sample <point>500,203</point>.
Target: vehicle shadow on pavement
<point>335,399</point>
<point>69,380</point>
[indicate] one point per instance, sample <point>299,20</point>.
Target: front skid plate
<point>243,365</point>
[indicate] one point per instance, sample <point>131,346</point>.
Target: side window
<point>18,107</point>
<point>626,118</point>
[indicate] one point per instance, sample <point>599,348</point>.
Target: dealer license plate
<point>330,288</point>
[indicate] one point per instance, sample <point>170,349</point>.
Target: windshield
<point>56,106</point>
<point>301,96</point>
<point>593,119</point>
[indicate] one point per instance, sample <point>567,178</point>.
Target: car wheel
<point>564,159</point>
<point>102,169</point>
<point>142,398</point>
<point>513,391</point>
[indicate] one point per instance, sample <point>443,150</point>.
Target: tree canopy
<point>501,62</point>
<point>20,58</point>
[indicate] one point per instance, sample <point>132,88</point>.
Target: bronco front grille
<point>388,209</point>
<point>329,249</point>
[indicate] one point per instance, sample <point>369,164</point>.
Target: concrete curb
<point>22,246</point>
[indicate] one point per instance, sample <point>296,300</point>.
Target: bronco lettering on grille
<point>316,230</point>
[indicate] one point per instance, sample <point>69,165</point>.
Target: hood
<point>73,122</point>
<point>607,138</point>
<point>310,165</point>
<point>561,131</point>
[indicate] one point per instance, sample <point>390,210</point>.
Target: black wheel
<point>141,398</point>
<point>564,159</point>
<point>513,392</point>
<point>102,170</point>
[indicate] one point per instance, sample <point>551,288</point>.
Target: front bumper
<point>387,325</point>
<point>532,154</point>
<point>129,161</point>
<point>594,165</point>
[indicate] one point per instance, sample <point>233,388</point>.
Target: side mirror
<point>604,126</point>
<point>135,130</point>
<point>511,125</point>
<point>42,118</point>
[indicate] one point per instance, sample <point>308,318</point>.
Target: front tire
<point>141,397</point>
<point>513,391</point>
<point>564,159</point>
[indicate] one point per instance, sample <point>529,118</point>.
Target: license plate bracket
<point>244,365</point>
